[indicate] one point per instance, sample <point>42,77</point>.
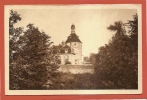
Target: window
<point>66,58</point>
<point>66,51</point>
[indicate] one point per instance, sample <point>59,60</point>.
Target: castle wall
<point>76,69</point>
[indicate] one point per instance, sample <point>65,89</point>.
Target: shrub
<point>67,62</point>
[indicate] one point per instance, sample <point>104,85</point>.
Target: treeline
<point>31,62</point>
<point>116,63</point>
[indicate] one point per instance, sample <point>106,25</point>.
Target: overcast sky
<point>90,24</point>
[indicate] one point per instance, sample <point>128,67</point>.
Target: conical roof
<point>73,38</point>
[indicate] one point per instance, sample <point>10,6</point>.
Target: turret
<point>72,29</point>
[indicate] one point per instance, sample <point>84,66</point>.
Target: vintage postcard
<point>73,49</point>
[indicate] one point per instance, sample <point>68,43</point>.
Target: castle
<point>70,51</point>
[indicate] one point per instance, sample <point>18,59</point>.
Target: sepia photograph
<point>73,49</point>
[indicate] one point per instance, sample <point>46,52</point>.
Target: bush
<point>67,62</point>
<point>75,81</point>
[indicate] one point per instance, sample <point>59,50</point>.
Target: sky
<point>90,24</point>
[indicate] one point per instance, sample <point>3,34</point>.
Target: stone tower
<point>76,46</point>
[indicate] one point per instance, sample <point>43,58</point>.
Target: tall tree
<point>118,27</point>
<point>133,31</point>
<point>116,63</point>
<point>33,64</point>
<point>14,33</point>
<point>38,62</point>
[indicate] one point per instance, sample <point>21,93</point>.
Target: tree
<point>133,31</point>
<point>118,27</point>
<point>37,58</point>
<point>86,59</point>
<point>92,58</point>
<point>14,33</point>
<point>116,62</point>
<point>33,64</point>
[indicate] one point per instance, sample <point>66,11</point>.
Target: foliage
<point>67,62</point>
<point>116,63</point>
<point>92,58</point>
<point>133,25</point>
<point>86,59</point>
<point>14,33</point>
<point>118,27</point>
<point>75,81</point>
<point>33,63</point>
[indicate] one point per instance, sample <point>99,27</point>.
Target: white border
<point>73,92</point>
